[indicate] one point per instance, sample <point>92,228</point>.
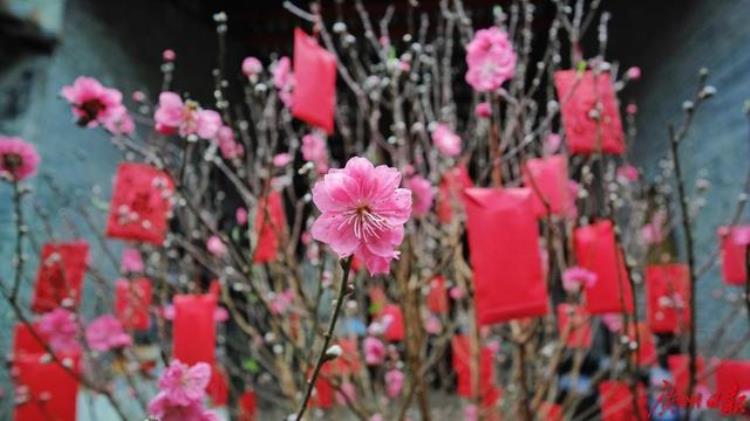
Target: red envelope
<point>732,378</point>
<point>551,411</point>
<point>461,349</point>
<point>269,232</point>
<point>733,252</point>
<point>453,182</point>
<point>679,366</point>
<point>218,387</point>
<point>504,245</point>
<point>322,394</point>
<point>668,297</point>
<point>60,276</point>
<point>194,328</point>
<point>24,341</point>
<point>579,94</point>
<point>437,297</point>
<point>140,204</point>
<point>314,95</point>
<point>349,362</point>
<point>596,251</point>
<point>574,320</point>
<point>132,303</point>
<point>395,330</point>
<point>248,406</point>
<point>617,402</point>
<point>647,351</point>
<point>547,178</point>
<point>46,390</point>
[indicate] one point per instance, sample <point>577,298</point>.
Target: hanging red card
<point>218,386</point>
<point>395,330</point>
<point>314,96</point>
<point>452,184</point>
<point>595,250</point>
<point>732,381</point>
<point>733,250</point>
<point>462,357</point>
<point>248,406</point>
<point>59,280</point>
<point>437,297</point>
<point>551,412</point>
<point>573,321</point>
<point>679,367</point>
<point>194,328</point>
<point>547,178</point>
<point>668,298</point>
<point>44,390</point>
<point>141,202</point>
<point>269,230</point>
<point>504,250</point>
<point>646,345</point>
<point>616,400</point>
<point>132,303</point>
<point>583,96</point>
<point>25,342</point>
<point>322,396</point>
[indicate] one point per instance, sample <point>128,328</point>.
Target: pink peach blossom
<point>280,303</point>
<point>93,104</point>
<point>394,383</point>
<point>631,109</point>
<point>471,413</point>
<point>173,116</point>
<point>183,384</point>
<point>483,110</point>
<point>282,160</point>
<point>491,60</point>
<point>131,261</point>
<point>653,231</point>
<point>251,67</point>
<point>164,409</point>
<point>552,144</point>
<point>613,321</point>
<point>229,147</point>
<point>634,73</point>
<point>138,96</point>
<point>574,278</point>
<point>215,246</point>
<point>59,327</point>
<point>432,325</point>
<point>628,173</point>
<point>18,159</point>
<point>315,150</point>
<point>283,80</point>
<point>363,212</point>
<point>375,352</point>
<point>105,333</point>
<point>120,123</point>
<point>456,293</point>
<point>241,216</point>
<point>168,55</point>
<point>348,393</point>
<point>446,141</point>
<point>422,194</point>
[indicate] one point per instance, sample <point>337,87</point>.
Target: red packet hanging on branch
<point>453,182</point>
<point>595,250</point>
<point>616,400</point>
<point>547,178</point>
<point>733,249</point>
<point>679,367</point>
<point>668,298</point>
<point>132,303</point>
<point>395,330</point>
<point>194,328</point>
<point>60,276</point>
<point>269,230</point>
<point>25,342</point>
<point>732,378</point>
<point>646,346</point>
<point>589,112</point>
<point>314,95</point>
<point>574,320</point>
<point>44,390</point>
<point>504,246</point>
<point>218,386</point>
<point>248,406</point>
<point>322,396</point>
<point>437,297</point>
<point>462,358</point>
<point>141,202</point>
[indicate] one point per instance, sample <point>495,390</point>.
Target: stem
<point>346,265</point>
<point>20,229</point>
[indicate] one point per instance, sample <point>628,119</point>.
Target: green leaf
<point>250,365</point>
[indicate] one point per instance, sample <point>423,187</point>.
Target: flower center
<point>12,161</point>
<point>367,224</point>
<point>91,110</point>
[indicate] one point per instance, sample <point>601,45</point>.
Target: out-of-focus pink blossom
<point>283,80</point>
<point>394,382</point>
<point>628,173</point>
<point>634,73</point>
<point>552,144</point>
<point>183,384</point>
<point>282,160</point>
<point>741,235</point>
<point>168,55</point>
<point>471,413</point>
<point>92,103</point>
<point>131,261</point>
<point>631,109</point>
<point>348,393</point>
<point>315,150</point>
<point>483,110</point>
<point>18,159</point>
<point>363,212</point>
<point>491,60</point>
<point>251,67</point>
<point>422,195</point>
<point>280,303</point>
<point>215,246</point>
<point>446,141</point>
<point>105,333</point>
<point>174,116</point>
<point>653,231</point>
<point>229,147</point>
<point>120,123</point>
<point>575,278</point>
<point>376,417</point>
<point>613,321</point>
<point>456,293</point>
<point>138,96</point>
<point>432,325</point>
<point>59,327</point>
<point>241,216</point>
<point>375,352</point>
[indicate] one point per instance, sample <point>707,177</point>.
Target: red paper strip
<point>596,251</point>
<point>62,269</point>
<point>452,184</point>
<point>504,245</point>
<point>581,95</point>
<point>194,329</point>
<point>314,96</point>
<point>668,298</point>
<point>140,204</point>
<point>733,250</point>
<point>577,323</point>
<point>269,230</point>
<point>617,402</point>
<point>547,178</point>
<point>462,358</point>
<point>647,346</point>
<point>45,390</point>
<point>437,297</point>
<point>132,303</point>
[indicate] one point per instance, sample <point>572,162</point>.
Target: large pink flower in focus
<point>105,333</point>
<point>363,212</point>
<point>315,150</point>
<point>164,409</point>
<point>175,116</point>
<point>446,141</point>
<point>422,194</point>
<point>18,159</point>
<point>491,60</point>
<point>183,384</point>
<point>59,327</point>
<point>92,103</point>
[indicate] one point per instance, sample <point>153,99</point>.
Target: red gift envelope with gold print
<point>668,298</point>
<point>141,203</point>
<point>270,222</point>
<point>504,250</point>
<point>589,112</point>
<point>132,303</point>
<point>733,253</point>
<point>194,328</point>
<point>595,250</point>
<point>59,279</point>
<point>314,96</point>
<point>548,179</point>
<point>617,404</point>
